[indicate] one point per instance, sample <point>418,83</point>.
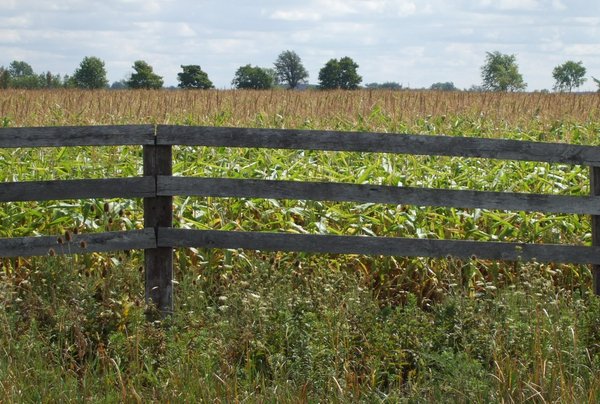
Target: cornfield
<point>302,327</point>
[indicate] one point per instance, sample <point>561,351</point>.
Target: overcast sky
<point>412,42</point>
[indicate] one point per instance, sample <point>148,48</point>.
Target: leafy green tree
<point>119,85</point>
<point>329,75</point>
<point>388,85</point>
<point>4,78</point>
<point>446,86</point>
<point>349,78</point>
<point>21,75</point>
<point>27,82</point>
<point>597,83</point>
<point>339,74</point>
<point>273,74</point>
<point>144,77</point>
<point>19,68</point>
<point>49,80</point>
<point>569,75</point>
<point>91,74</point>
<point>193,76</point>
<point>500,72</point>
<point>254,78</point>
<point>69,82</point>
<point>290,69</point>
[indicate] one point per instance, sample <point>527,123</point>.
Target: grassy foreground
<point>300,327</point>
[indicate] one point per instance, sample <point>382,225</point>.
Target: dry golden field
<point>374,110</point>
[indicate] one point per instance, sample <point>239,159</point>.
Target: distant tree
<point>501,73</point>
<point>388,85</point>
<point>49,80</point>
<point>475,88</point>
<point>569,75</point>
<point>27,82</point>
<point>21,75</point>
<point>329,75</point>
<point>446,86</point>
<point>290,70</point>
<point>339,74</point>
<point>272,73</point>
<point>597,83</point>
<point>144,77</point>
<point>91,74</point>
<point>69,82</point>
<point>4,78</point>
<point>18,69</point>
<point>193,76</point>
<point>349,78</point>
<point>119,85</point>
<point>253,78</point>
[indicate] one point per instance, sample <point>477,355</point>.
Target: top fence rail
<point>61,136</point>
<point>301,139</point>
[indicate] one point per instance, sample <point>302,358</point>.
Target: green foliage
<point>388,85</point>
<point>50,80</point>
<point>290,70</point>
<point>90,74</point>
<point>18,69</point>
<point>569,75</point>
<point>252,78</point>
<point>4,78</point>
<point>144,77</point>
<point>21,75</point>
<point>597,83</point>
<point>284,327</point>
<point>119,85</point>
<point>340,74</point>
<point>446,86</point>
<point>193,76</point>
<point>501,73</point>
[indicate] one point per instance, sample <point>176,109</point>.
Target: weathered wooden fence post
<point>158,212</point>
<point>595,191</point>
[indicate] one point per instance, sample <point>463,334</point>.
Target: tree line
<point>500,72</point>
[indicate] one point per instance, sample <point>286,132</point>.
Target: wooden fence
<point>157,186</point>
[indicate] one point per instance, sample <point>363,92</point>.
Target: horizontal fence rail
<point>387,246</point>
<point>341,192</point>
<point>380,142</point>
<point>79,244</point>
<point>143,187</point>
<point>158,186</point>
<point>61,136</point>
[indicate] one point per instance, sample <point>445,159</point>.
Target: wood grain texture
<point>329,191</point>
<point>595,191</point>
<point>158,212</point>
<point>388,246</point>
<point>59,136</point>
<point>77,189</point>
<point>92,242</point>
<point>379,142</point>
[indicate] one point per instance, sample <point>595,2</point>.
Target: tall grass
<point>302,327</point>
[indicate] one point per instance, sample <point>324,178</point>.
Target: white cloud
<point>21,21</point>
<point>295,15</point>
<point>510,5</point>
<point>420,42</point>
<point>184,30</point>
<point>583,49</point>
<point>558,5</point>
<point>9,36</point>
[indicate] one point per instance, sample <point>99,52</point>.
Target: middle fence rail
<point>158,187</point>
